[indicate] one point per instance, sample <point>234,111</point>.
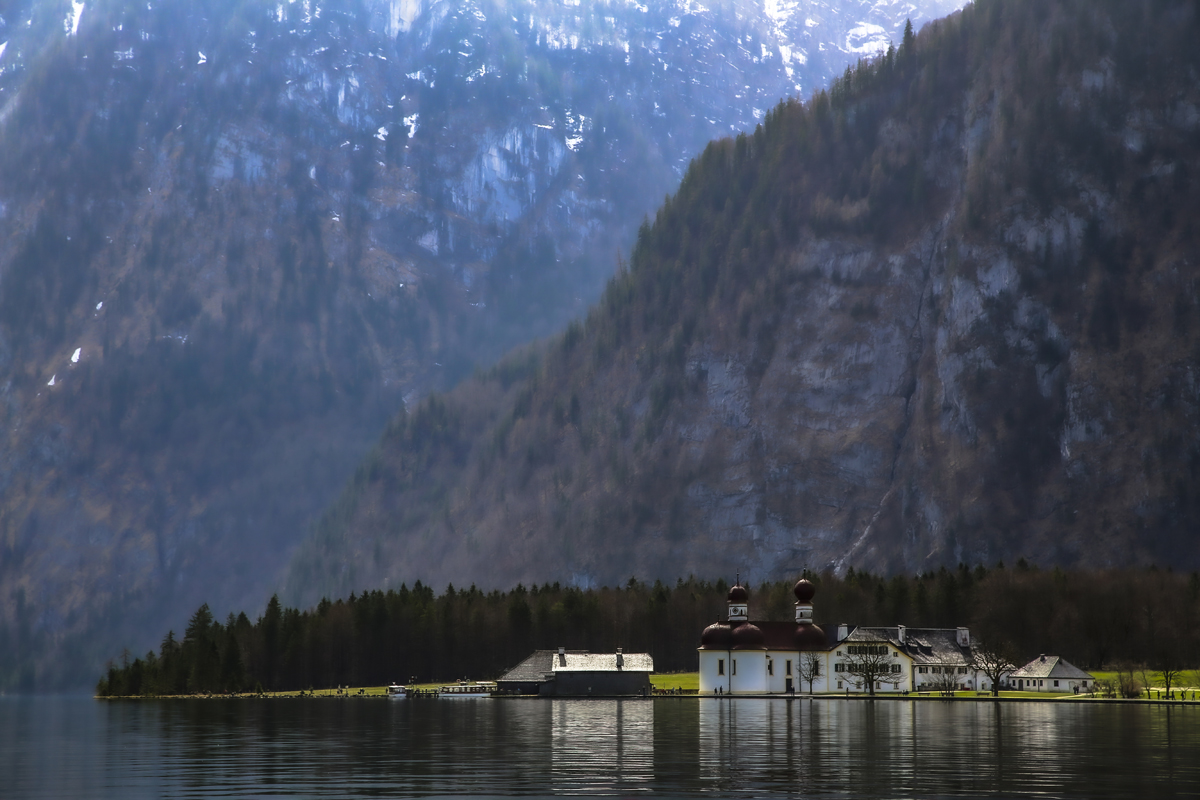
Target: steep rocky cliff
<point>946,312</point>
<point>235,237</point>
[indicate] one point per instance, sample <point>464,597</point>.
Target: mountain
<point>236,237</point>
<point>945,312</point>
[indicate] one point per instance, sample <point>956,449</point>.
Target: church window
<point>720,666</point>
<point>734,670</point>
<point>770,667</point>
<point>789,669</point>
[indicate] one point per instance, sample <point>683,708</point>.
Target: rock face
<point>947,313</point>
<point>235,237</point>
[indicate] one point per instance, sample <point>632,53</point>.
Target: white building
<point>742,657</point>
<point>1051,674</point>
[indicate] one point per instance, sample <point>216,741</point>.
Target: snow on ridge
<point>71,23</point>
<point>401,15</point>
<point>866,38</point>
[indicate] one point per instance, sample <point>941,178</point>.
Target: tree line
<point>1126,619</point>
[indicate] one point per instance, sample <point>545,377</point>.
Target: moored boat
<point>462,691</point>
<point>397,692</point>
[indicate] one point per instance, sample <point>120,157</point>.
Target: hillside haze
<point>945,312</point>
<point>236,238</point>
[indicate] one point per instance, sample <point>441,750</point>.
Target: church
<point>745,657</point>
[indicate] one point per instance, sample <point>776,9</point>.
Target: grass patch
<point>675,680</point>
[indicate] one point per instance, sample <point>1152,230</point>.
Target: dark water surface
<point>79,747</point>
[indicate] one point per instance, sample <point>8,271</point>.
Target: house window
<point>720,666</point>
<point>1056,683</point>
<point>789,669</point>
<point>839,684</point>
<point>895,667</point>
<point>922,670</point>
<point>962,670</point>
<point>1085,684</point>
<point>770,667</point>
<point>867,650</point>
<point>839,667</point>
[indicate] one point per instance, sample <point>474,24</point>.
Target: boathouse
<point>579,673</point>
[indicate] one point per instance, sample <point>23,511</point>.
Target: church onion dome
<point>738,594</point>
<point>749,636</point>
<point>717,636</point>
<point>804,591</point>
<point>809,637</point>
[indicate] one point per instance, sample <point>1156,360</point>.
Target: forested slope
<point>944,312</point>
<point>236,236</point>
<point>418,634</point>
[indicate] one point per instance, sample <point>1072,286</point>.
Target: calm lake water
<point>78,747</point>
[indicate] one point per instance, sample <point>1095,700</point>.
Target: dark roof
<point>1051,667</point>
<point>922,645</point>
<point>536,667</point>
<point>778,635</point>
<point>782,635</point>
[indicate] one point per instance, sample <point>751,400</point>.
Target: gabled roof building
<point>1051,674</point>
<point>579,673</point>
<point>741,656</point>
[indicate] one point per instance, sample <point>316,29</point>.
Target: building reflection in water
<point>602,746</point>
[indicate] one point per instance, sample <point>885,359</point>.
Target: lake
<point>79,747</point>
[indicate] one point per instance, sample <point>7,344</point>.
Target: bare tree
<point>1127,682</point>
<point>1147,684</point>
<point>993,661</point>
<point>810,669</point>
<point>1169,674</point>
<point>944,681</point>
<point>869,663</point>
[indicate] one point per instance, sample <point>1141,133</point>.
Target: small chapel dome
<point>717,636</point>
<point>738,594</point>
<point>749,636</point>
<point>809,637</point>
<point>804,591</point>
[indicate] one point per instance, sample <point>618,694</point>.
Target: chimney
<point>964,637</point>
<point>843,631</point>
<point>620,658</point>
<point>562,656</point>
<point>900,633</point>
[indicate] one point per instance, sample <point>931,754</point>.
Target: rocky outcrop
<point>947,314</point>
<point>236,237</point>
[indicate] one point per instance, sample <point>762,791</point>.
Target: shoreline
<point>1060,699</point>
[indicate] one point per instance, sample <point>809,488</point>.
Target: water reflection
<point>603,746</point>
<point>886,747</point>
<point>76,747</point>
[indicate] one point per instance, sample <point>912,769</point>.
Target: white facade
<point>741,657</point>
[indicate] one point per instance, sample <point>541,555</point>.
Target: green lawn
<point>675,680</point>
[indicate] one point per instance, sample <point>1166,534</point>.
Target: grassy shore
<point>690,681</point>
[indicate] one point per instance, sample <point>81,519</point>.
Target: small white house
<point>1051,674</point>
